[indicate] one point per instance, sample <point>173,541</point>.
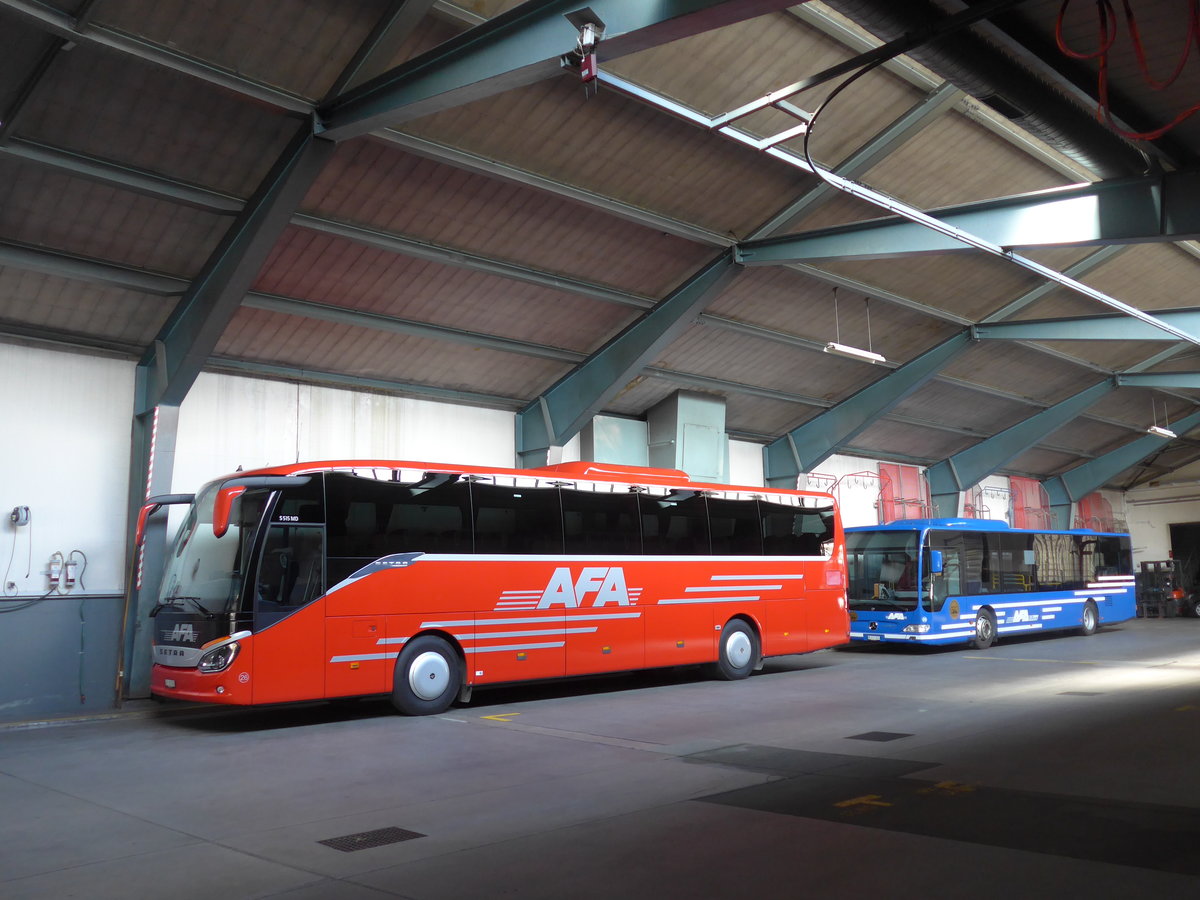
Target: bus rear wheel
<point>985,630</point>
<point>428,677</point>
<point>737,651</point>
<point>1091,619</point>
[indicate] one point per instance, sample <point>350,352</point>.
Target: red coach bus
<point>352,578</point>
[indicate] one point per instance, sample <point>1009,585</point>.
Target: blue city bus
<point>971,581</point>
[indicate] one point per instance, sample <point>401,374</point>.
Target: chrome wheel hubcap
<point>737,649</point>
<point>429,675</point>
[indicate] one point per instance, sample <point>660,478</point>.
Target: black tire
<point>985,630</point>
<point>737,651</point>
<point>1194,609</point>
<point>1091,619</point>
<point>428,677</point>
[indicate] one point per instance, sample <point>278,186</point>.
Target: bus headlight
<point>916,629</point>
<point>219,658</point>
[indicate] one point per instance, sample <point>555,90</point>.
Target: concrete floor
<point>1041,767</point>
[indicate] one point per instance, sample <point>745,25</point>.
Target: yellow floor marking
<point>864,800</point>
<point>501,717</point>
<point>1061,662</point>
<point>948,787</point>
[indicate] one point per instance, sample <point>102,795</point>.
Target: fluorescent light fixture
<point>853,353</point>
<point>1161,432</point>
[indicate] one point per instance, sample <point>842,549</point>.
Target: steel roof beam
<point>1075,270</point>
<point>65,265</point>
<point>806,447</point>
<point>1091,328</point>
<point>930,107</point>
<point>968,467</point>
<point>128,178</point>
<point>1076,483</point>
<point>522,46</point>
<point>471,162</point>
<point>1160,207</point>
<point>1189,380</point>
<point>559,412</point>
<point>10,116</point>
<point>202,314</point>
<point>393,28</point>
<point>59,23</point>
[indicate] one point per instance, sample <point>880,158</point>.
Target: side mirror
<point>936,564</point>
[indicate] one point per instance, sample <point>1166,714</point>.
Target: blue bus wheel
<point>1091,619</point>
<point>985,629</point>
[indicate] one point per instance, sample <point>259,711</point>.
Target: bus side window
<point>290,573</point>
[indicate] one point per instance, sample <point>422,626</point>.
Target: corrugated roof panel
<point>724,354</point>
<point>372,184</point>
<point>943,165</point>
<point>1091,437</point>
<point>837,208</point>
<point>749,414</point>
<point>304,57</point>
<point>313,266</point>
<point>889,439</point>
<point>31,298</point>
<point>639,394</point>
<point>969,283</point>
<point>41,206</point>
<point>943,402</point>
<point>796,304</point>
<point>1114,356</point>
<point>1147,276</point>
<point>161,121</point>
<point>1136,407</point>
<point>621,149</point>
<point>1040,462</point>
<point>21,46</point>
<point>261,336</point>
<point>768,53</point>
<point>1020,370</point>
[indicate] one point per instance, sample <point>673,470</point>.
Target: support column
<point>152,464</point>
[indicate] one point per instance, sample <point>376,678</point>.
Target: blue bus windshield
<point>883,570</point>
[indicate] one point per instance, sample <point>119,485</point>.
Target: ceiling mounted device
<point>839,349</point>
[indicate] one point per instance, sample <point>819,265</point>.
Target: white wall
<point>746,463</point>
<point>67,420</point>
<point>1151,512</point>
<point>229,421</point>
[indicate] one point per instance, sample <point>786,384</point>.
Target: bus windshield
<point>883,570</point>
<point>204,572</point>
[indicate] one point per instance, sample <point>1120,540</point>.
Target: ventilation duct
<point>981,68</point>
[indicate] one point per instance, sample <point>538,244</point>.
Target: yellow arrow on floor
<point>501,717</point>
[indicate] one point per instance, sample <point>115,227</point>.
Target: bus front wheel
<point>428,677</point>
<point>985,630</point>
<point>1091,619</point>
<point>737,651</point>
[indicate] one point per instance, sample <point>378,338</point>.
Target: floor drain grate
<point>878,736</point>
<point>364,840</point>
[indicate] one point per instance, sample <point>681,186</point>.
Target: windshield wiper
<point>173,603</point>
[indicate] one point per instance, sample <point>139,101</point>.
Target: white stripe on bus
<point>736,587</point>
<point>513,647</point>
<point>755,577</point>
<point>362,657</point>
<point>471,623</point>
<point>707,600</point>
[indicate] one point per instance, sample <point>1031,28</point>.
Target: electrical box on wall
<point>19,516</point>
